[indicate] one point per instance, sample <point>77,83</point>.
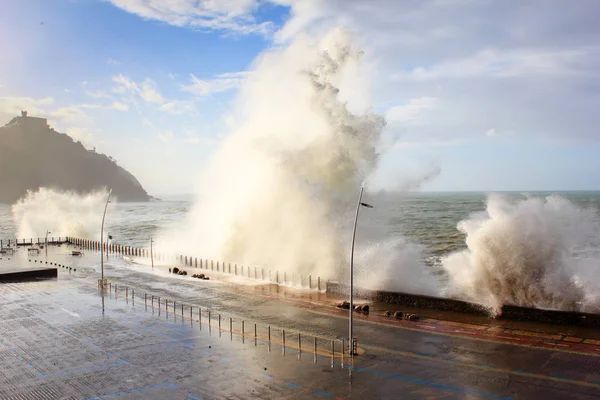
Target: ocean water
<point>537,249</point>
<point>428,219</point>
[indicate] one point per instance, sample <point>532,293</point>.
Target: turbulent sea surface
<point>429,219</point>
<point>532,249</point>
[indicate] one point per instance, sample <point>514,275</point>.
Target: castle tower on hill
<point>30,121</point>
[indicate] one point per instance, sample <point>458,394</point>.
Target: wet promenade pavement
<point>62,339</point>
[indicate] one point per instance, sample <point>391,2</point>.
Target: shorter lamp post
<point>46,244</point>
<point>151,253</point>
<point>102,239</point>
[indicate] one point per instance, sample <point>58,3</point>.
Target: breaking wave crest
<point>536,252</point>
<point>62,213</point>
<point>281,190</point>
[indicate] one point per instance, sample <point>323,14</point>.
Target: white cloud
<point>179,107</point>
<point>149,93</point>
<point>504,64</point>
<point>146,90</point>
<point>234,16</point>
<point>117,105</point>
<point>412,113</point>
<point>124,84</point>
<point>112,61</point>
<point>69,114</point>
<point>97,94</point>
<point>166,136</point>
<point>192,137</point>
<point>222,82</point>
<point>490,132</point>
<point>14,105</point>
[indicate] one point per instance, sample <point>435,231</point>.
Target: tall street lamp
<point>46,244</point>
<point>102,238</point>
<point>351,311</point>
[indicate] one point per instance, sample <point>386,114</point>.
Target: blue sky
<point>478,94</point>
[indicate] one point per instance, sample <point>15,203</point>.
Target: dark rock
<point>175,270</point>
<point>169,270</point>
<point>387,313</point>
<point>345,305</point>
<point>38,156</point>
<point>398,315</point>
<point>365,308</point>
<point>411,317</point>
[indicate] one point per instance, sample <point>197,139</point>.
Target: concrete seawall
<point>508,312</point>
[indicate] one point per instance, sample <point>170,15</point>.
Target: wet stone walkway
<point>64,339</point>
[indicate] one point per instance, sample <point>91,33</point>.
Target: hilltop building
<point>25,120</point>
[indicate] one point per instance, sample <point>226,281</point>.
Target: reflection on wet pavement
<point>66,339</point>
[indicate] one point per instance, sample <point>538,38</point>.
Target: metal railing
<point>296,279</point>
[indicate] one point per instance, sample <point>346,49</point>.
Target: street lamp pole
<point>46,244</point>
<point>151,252</point>
<point>109,238</point>
<point>351,310</point>
<point>102,238</point>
